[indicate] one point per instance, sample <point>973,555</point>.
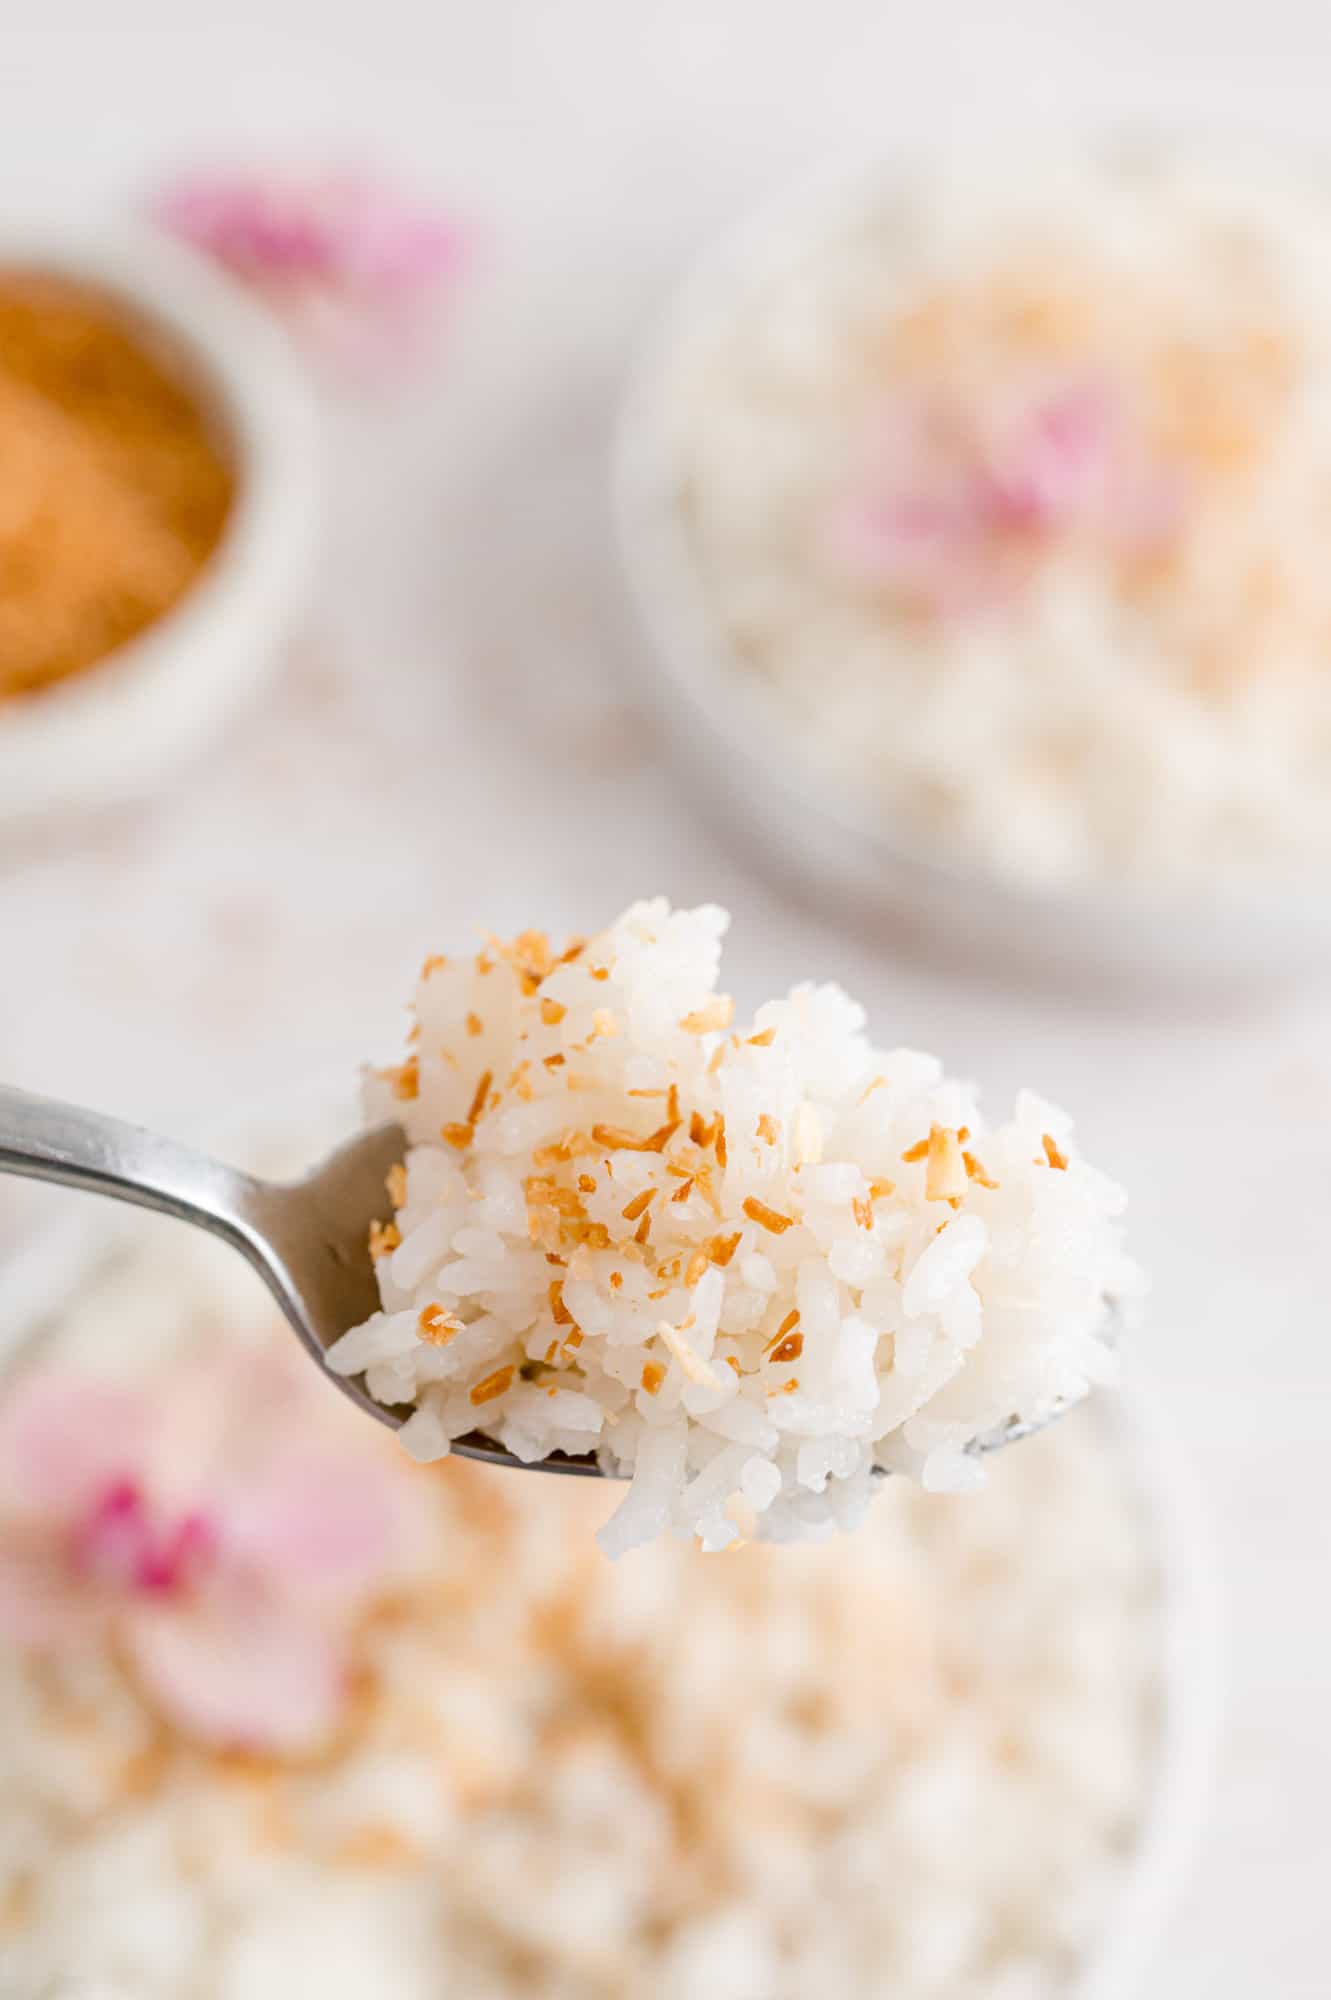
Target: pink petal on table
<point>65,1437</point>
<point>241,1675</point>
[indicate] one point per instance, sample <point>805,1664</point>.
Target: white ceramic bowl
<point>117,730</point>
<point>283,1139</point>
<point>731,739</point>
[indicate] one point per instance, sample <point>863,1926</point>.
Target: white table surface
<point>456,743</point>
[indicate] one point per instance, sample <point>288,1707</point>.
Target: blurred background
<point>454,737</point>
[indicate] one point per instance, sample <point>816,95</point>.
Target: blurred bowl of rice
<point>157,512</point>
<point>961,1754</point>
<point>973,512</point>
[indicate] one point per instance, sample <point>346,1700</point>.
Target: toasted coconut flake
<point>878,1083</point>
<point>697,1128</point>
<point>640,1202</point>
<point>863,1212</point>
<point>586,1184</point>
<point>552,1012</point>
<point>767,1218</point>
<point>695,1267</point>
<point>484,965</point>
<point>406,1081</point>
<point>945,1179</point>
<point>555,1061</point>
<point>684,1190</point>
<point>653,1375</point>
<point>600,972</point>
<point>458,1135</point>
<point>720,1140</point>
<point>479,1095</point>
<point>879,1190</point>
<point>764,1040</point>
<point>732,1362</point>
<point>976,1172</point>
<point>716,1013</point>
<point>384,1236</point>
<point>919,1151</point>
<point>788,1325</point>
<point>475,1025</point>
<point>790,1349</point>
<point>559,1312</point>
<point>434,963</point>
<point>643,1230</point>
<point>808,1137</point>
<point>720,1249</point>
<point>963,1134</point>
<point>494,1385</point>
<point>688,1357</point>
<point>1055,1156</point>
<point>395,1181</point>
<point>616,1281</point>
<point>604,1024</point>
<point>768,1128</point>
<point>436,1326</point>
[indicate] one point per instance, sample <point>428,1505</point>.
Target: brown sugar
<point>114,487</point>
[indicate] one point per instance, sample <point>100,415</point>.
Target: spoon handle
<point>48,1141</point>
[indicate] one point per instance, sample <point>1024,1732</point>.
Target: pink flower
<point>225,1527</point>
<point>353,261</point>
<point>958,502</point>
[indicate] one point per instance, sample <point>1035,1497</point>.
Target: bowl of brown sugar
<point>157,514</point>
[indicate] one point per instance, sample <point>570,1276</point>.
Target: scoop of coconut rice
<point>745,1266</point>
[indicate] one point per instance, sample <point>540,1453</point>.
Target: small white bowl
<point>114,732</point>
<point>286,1137</point>
<point>731,739</point>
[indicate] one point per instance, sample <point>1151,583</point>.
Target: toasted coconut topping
<point>688,1357</point>
<point>919,1151</point>
<point>494,1385</point>
<point>863,1212</point>
<point>434,963</point>
<point>481,1092</point>
<point>945,1179</point>
<point>436,1326</point>
<point>558,1310</point>
<point>790,1349</point>
<point>768,1128</point>
<point>552,1013</point>
<point>879,1190</point>
<point>717,1013</point>
<point>720,1249</point>
<point>475,1025</point>
<point>616,1280</point>
<point>640,1202</point>
<point>384,1237</point>
<point>407,1080</point>
<point>1052,1153</point>
<point>767,1218</point>
<point>586,1184</point>
<point>458,1135</point>
<point>653,1375</point>
<point>976,1171</point>
<point>604,1024</point>
<point>720,1140</point>
<point>764,1040</point>
<point>395,1181</point>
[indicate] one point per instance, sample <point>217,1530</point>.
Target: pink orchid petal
<point>245,1676</point>
<point>42,1605</point>
<point>329,1527</point>
<point>64,1437</point>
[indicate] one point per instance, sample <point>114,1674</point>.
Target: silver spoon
<point>307,1239</point>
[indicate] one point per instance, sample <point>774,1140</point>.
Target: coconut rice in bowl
<point>974,515</point>
<point>323,1719</point>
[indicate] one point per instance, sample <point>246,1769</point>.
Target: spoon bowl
<point>308,1239</point>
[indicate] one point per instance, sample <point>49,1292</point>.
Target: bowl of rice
<point>281,1709</point>
<point>972,511</point>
